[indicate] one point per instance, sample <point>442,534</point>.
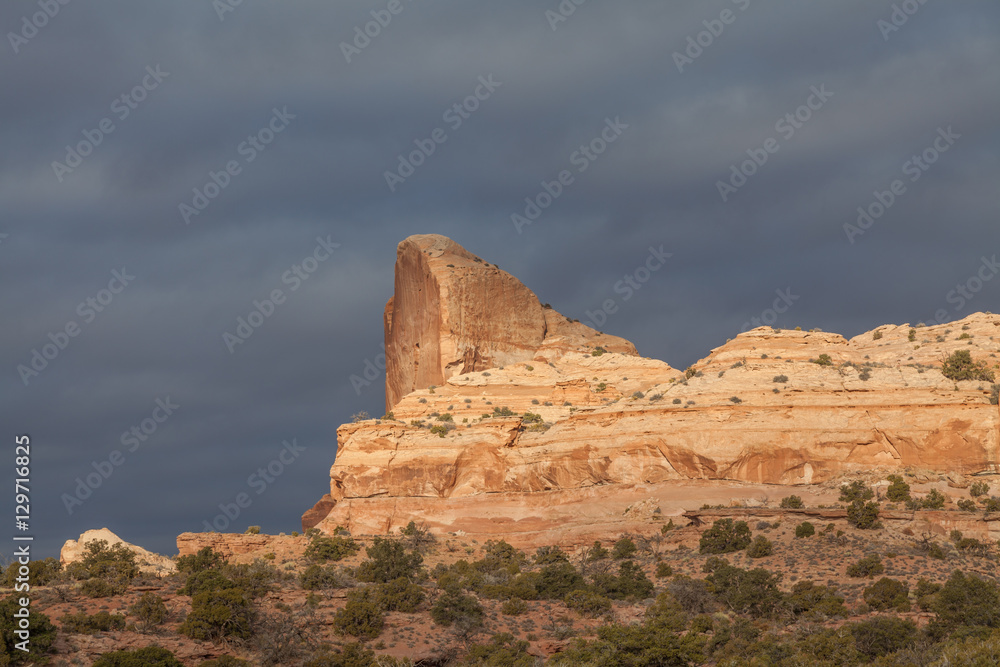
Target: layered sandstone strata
<point>521,417</point>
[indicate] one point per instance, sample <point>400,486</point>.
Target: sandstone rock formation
<point>453,313</point>
<point>507,418</point>
<point>150,563</point>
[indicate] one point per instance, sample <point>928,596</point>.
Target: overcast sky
<point>115,117</point>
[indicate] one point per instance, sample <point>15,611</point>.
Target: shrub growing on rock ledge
<point>863,515</point>
<point>960,366</point>
<point>792,502</point>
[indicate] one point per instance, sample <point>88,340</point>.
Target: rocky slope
<point>505,411</point>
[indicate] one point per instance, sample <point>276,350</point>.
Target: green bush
<point>632,645</point>
<point>792,502</point>
<point>692,594</point>
<point>219,613</point>
<point>967,505</point>
<point>399,595</point>
<point>754,592</point>
<point>761,547</point>
<point>995,395</point>
<point>814,601</point>
<point>254,579</point>
<point>148,656</point>
<point>781,378</point>
<point>856,490</point>
<point>149,610</point>
<point>882,635</point>
<point>805,529</point>
<point>317,577</point>
<point>504,650</point>
<point>322,549</point>
<point>863,515</point>
<point>205,559</point>
<point>417,537</point>
<point>631,582</point>
<point>587,603</point>
<point>207,580</point>
<point>624,548</point>
<point>868,566</point>
<point>960,366</point>
<point>40,572</point>
<point>513,607</point>
<point>388,560</point>
<point>110,569</point>
<point>725,536</point>
<point>912,335</point>
<point>252,530</point>
<point>360,617</point>
<point>43,635</point>
<point>898,491</point>
<point>596,553</point>
<point>934,500</point>
<point>663,570</point>
<point>968,600</point>
<point>226,661</point>
<point>823,360</point>
<point>86,624</point>
<point>456,608</point>
<point>979,488</point>
<point>554,581</point>
<point>887,594</point>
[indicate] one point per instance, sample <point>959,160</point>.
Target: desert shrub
<point>934,500</point>
<point>663,570</point>
<point>632,645</point>
<point>361,617</point>
<point>399,595</point>
<point>863,515</point>
<point>760,547</point>
<point>596,553</point>
<point>148,656</point>
<point>225,661</point>
<point>882,635</point>
<point>503,412</point>
<point>979,489</point>
<point>960,366</point>
<point>43,635</point>
<point>792,502</point>
<point>219,613</point>
<point>254,579</point>
<point>975,651</point>
<point>823,360</point>
<point>856,490</point>
<point>322,549</point>
<point>207,580</point>
<point>967,505</point>
<point>388,560</point>
<point>317,577</point>
<point>898,491</point>
<point>513,607</point>
<point>114,565</point>
<point>205,559</point>
<point>598,351</point>
<point>504,650</point>
<point>631,582</point>
<point>725,536</point>
<point>455,607</point>
<point>89,624</point>
<point>40,572</point>
<point>887,594</point>
<point>692,594</point>
<point>439,430</point>
<point>666,613</point>
<point>417,537</point>
<point>877,334</point>
<point>968,600</point>
<point>554,581</point>
<point>753,592</point>
<point>149,610</point>
<point>912,335</point>
<point>252,530</point>
<point>624,548</point>
<point>587,603</point>
<point>815,601</point>
<point>805,529</point>
<point>868,566</point>
<point>781,378</point>
<point>549,555</point>
<point>995,395</point>
<point>992,505</point>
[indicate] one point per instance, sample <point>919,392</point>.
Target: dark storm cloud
<point>323,176</point>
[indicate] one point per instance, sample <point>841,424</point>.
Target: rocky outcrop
<point>235,545</point>
<point>150,563</point>
<point>453,313</point>
<point>518,425</point>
